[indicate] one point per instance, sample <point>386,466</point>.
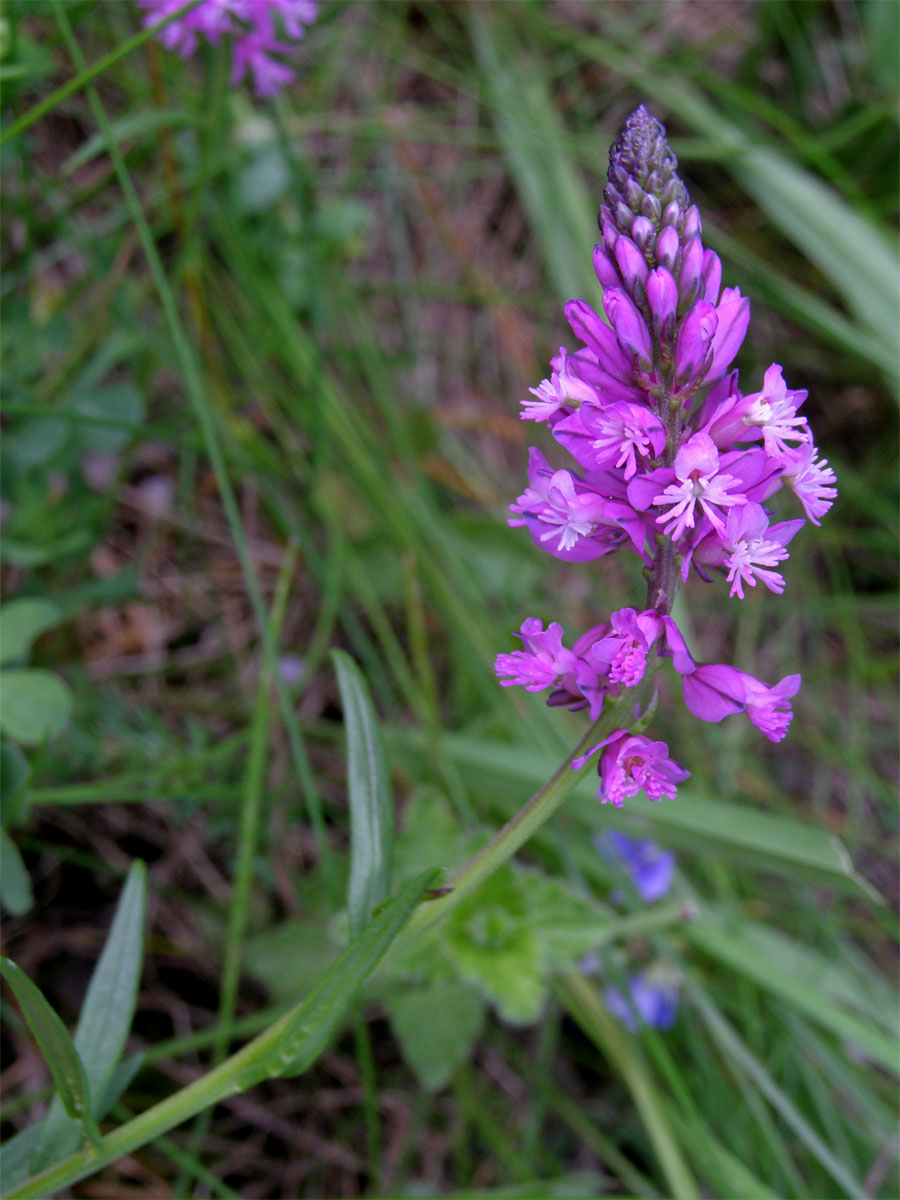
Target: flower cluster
<point>676,463</point>
<point>252,26</point>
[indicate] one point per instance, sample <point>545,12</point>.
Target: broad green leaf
<point>21,622</point>
<point>430,836</point>
<point>437,1027</point>
<point>491,942</point>
<point>14,775</point>
<point>696,824</point>
<point>726,943</point>
<point>15,886</point>
<point>290,958</point>
<point>371,803</point>
<point>311,1025</point>
<point>106,1015</point>
<point>507,968</point>
<point>120,403</point>
<point>34,705</point>
<point>56,1046</point>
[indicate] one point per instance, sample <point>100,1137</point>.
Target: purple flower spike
<point>676,464</point>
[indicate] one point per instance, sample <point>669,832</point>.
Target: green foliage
<point>233,327</point>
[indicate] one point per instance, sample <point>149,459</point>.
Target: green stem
<point>84,76</point>
<point>516,832</point>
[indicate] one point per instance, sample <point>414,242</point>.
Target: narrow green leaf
<point>15,886</point>
<point>727,945</point>
<point>15,1156</point>
<point>106,1015</point>
<point>132,125</point>
<point>34,705</point>
<point>734,1048</point>
<point>56,1046</point>
<point>287,1047</point>
<point>371,803</point>
<point>21,622</point>
<point>311,1026</point>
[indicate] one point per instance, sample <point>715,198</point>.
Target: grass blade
<point>582,1002</point>
<point>371,803</point>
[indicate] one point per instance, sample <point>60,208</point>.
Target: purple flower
<point>677,463</point>
<point>812,482</point>
<point>622,654</point>
<point>631,763</point>
<point>650,1001</point>
<point>651,868</point>
<point>699,482</point>
<point>542,663</point>
<point>714,691</point>
<point>251,24</point>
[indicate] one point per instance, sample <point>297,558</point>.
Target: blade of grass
<point>581,1001</point>
<point>86,74</point>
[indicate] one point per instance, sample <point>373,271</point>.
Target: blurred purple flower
<point>651,868</point>
<point>252,26</point>
<point>652,1002</point>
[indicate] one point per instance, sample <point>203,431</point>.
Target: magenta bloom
<point>252,25</point>
<point>812,482</point>
<point>699,483</point>
<point>715,691</point>
<point>631,763</point>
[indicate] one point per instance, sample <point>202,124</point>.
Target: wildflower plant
<point>252,27</point>
<point>675,465</point>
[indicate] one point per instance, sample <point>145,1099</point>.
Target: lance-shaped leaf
<point>371,804</point>
<point>309,1028</point>
<point>56,1046</point>
<point>106,1016</point>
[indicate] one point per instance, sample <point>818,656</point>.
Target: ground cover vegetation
<point>264,351</point>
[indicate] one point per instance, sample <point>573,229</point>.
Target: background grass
<point>366,275</point>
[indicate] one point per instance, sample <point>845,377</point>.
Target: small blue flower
<point>652,1002</point>
<point>650,867</point>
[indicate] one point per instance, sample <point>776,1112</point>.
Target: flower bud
<point>605,270</point>
<point>712,276</point>
<point>662,297</point>
<point>668,246</point>
<point>689,275</point>
<point>693,344</point>
<point>642,232</point>
<point>631,328</point>
<point>631,263</point>
<point>692,224</point>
